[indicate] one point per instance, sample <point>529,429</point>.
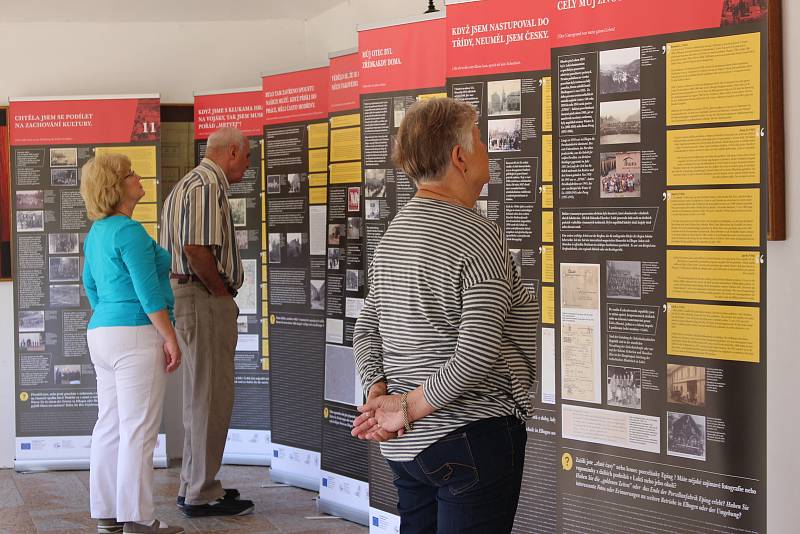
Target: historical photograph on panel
<point>31,321</point>
<point>399,110</point>
<point>30,200</point>
<point>242,241</point>
<point>353,198</point>
<point>620,175</point>
<point>624,279</point>
<point>295,181</point>
<point>580,286</point>
<point>354,279</point>
<point>65,269</point>
<point>247,296</point>
<point>241,324</point>
<point>274,253</point>
<point>273,184</point>
<point>619,70</point>
<point>336,233</point>
<point>63,157</point>
<point>686,384</point>
<point>316,294</point>
<point>504,97</point>
<point>334,255</point>
<point>238,211</point>
<point>294,246</point>
<point>63,243</point>
<point>354,228</point>
<point>341,384</point>
<point>624,387</point>
<point>64,177</point>
<point>505,135</point>
<point>65,296</point>
<point>482,208</point>
<point>620,122</point>
<point>686,435</point>
<point>64,375</point>
<point>375,183</point>
<point>372,209</point>
<point>516,256</point>
<point>30,221</point>
<point>31,342</point>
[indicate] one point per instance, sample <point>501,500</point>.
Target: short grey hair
<point>222,138</point>
<point>429,132</point>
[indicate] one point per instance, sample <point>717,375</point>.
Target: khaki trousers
<point>207,334</point>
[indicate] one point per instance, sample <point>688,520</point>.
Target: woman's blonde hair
<point>427,135</point>
<point>101,183</point>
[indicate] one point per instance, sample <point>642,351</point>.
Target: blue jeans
<point>468,481</point>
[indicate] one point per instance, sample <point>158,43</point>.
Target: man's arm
<point>204,266</point>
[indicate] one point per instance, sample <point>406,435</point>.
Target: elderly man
<point>206,272</point>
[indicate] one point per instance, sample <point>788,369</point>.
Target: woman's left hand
<point>381,419</point>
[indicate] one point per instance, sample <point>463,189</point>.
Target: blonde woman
<point>132,344</point>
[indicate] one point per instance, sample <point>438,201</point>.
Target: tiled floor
<point>58,502</point>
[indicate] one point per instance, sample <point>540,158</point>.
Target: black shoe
<point>220,507</point>
<point>230,495</point>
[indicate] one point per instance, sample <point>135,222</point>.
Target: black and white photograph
<point>65,269</point>
<point>241,324</point>
<point>372,209</point>
<point>620,70</point>
<point>63,157</point>
<point>242,241</point>
<point>247,297</point>
<point>294,246</point>
<point>30,221</point>
<point>63,243</point>
<point>31,342</point>
<point>624,279</point>
<point>482,208</point>
<point>334,256</point>
<point>68,295</point>
<point>335,233</point>
<point>354,228</point>
<point>273,184</point>
<point>64,177</point>
<point>620,122</point>
<point>686,384</point>
<point>353,198</point>
<point>64,375</point>
<point>274,253</point>
<point>30,200</point>
<point>238,211</point>
<point>505,135</point>
<point>399,110</point>
<point>620,175</point>
<point>624,387</point>
<point>316,294</point>
<point>504,97</point>
<point>341,384</point>
<point>375,183</point>
<point>295,181</point>
<point>30,321</point>
<point>686,435</point>
<point>354,279</point>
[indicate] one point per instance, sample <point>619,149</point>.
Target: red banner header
<point>579,22</point>
<point>497,36</point>
<point>344,83</point>
<point>62,122</point>
<point>243,110</point>
<point>402,57</point>
<point>296,96</point>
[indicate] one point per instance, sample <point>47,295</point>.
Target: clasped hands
<point>381,417</point>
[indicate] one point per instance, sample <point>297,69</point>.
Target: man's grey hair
<point>222,138</point>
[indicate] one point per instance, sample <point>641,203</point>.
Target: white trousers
<point>129,364</point>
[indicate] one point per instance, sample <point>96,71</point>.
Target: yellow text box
<point>547,104</point>
<point>547,196</point>
<point>547,158</point>
<point>548,264</point>
<point>318,179</point>
<point>345,173</point>
<point>143,158</point>
<point>318,160</point>
<point>713,80</point>
<point>145,213</point>
<point>345,121</point>
<point>714,156</point>
<point>428,96</point>
<point>713,218</point>
<point>318,195</point>
<point>713,275</point>
<point>318,135</point>
<point>346,144</point>
<point>548,305</point>
<point>150,190</point>
<point>713,331</point>
<point>547,227</point>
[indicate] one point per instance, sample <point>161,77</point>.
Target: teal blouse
<point>125,273</point>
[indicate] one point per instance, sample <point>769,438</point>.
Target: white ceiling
<point>159,10</point>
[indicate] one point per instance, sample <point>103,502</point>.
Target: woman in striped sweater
<point>445,344</point>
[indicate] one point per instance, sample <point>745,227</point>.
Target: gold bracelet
<point>404,406</point>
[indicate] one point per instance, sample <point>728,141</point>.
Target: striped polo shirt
<point>447,309</point>
<point>197,212</point>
